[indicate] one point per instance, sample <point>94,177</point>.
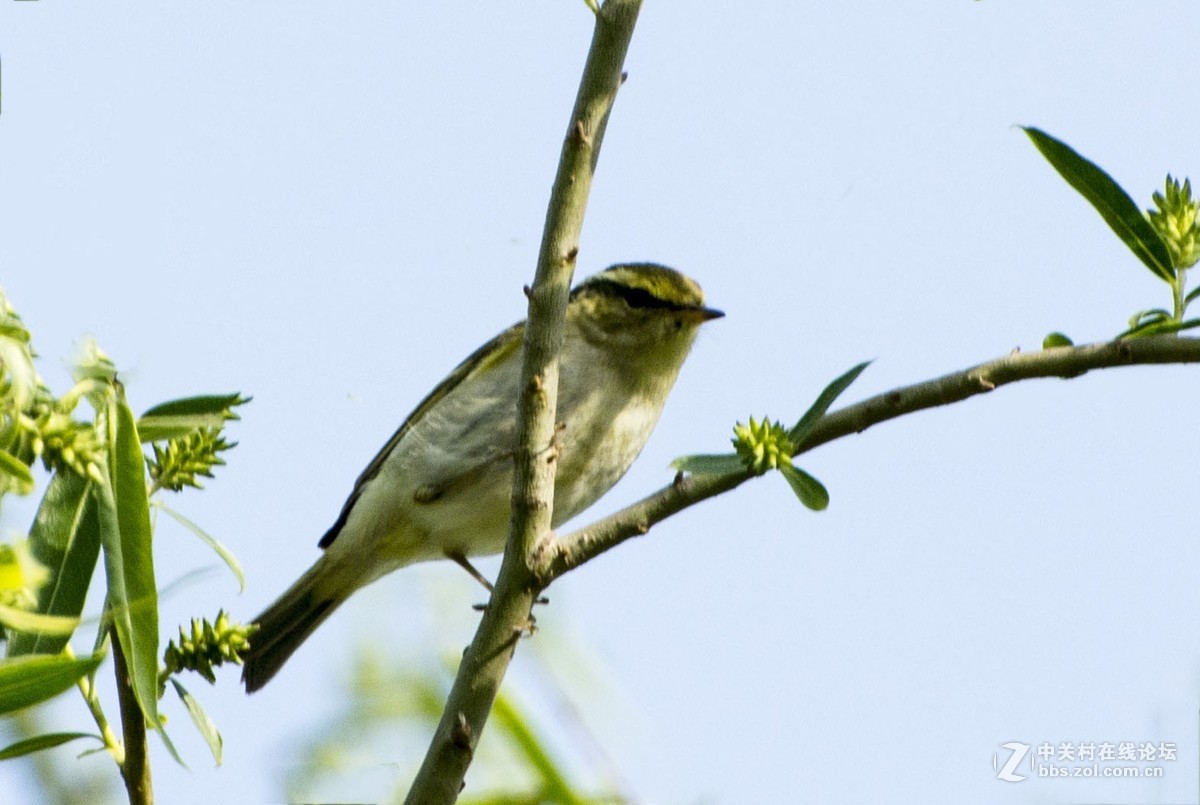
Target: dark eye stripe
<point>634,297</point>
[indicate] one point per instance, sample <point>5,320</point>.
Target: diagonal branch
<point>485,661</point>
<point>572,550</point>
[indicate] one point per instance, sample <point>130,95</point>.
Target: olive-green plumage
<point>441,484</point>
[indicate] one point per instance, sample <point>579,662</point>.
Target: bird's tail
<point>288,622</point>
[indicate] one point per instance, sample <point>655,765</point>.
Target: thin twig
<point>572,550</point>
<point>440,778</point>
<point>87,688</point>
<point>136,767</point>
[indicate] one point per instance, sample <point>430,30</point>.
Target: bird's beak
<point>706,313</point>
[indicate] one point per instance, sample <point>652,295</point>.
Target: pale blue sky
<point>327,206</point>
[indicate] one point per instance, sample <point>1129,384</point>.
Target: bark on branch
<point>507,617</point>
<point>568,552</point>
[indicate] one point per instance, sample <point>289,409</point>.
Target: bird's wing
<point>493,352</point>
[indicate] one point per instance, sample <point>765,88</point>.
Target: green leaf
<point>812,493</point>
<point>1056,340</point>
<point>1191,296</point>
<point>171,750</point>
<point>14,475</point>
<point>40,742</point>
<point>817,410</point>
<point>124,510</point>
<point>1158,327</point>
<point>25,681</point>
<point>1151,322</point>
<point>220,550</point>
<point>1144,317</point>
<point>22,620</point>
<point>723,464</point>
<point>208,730</point>
<point>17,362</point>
<point>172,420</point>
<point>64,539</point>
<point>178,462</point>
<point>553,785</point>
<point>1110,200</point>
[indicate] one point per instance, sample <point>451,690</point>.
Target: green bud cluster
<point>1175,220</point>
<point>33,424</point>
<point>209,646</point>
<point>177,463</point>
<point>763,445</point>
<point>65,443</point>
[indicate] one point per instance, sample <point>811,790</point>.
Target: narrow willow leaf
<point>207,729</point>
<point>164,428</point>
<point>723,464</point>
<point>171,750</point>
<point>817,410</point>
<point>1110,200</point>
<point>10,324</point>
<point>40,742</point>
<point>1159,328</point>
<point>203,405</point>
<point>124,510</point>
<point>178,418</point>
<point>24,621</point>
<point>219,549</point>
<point>553,783</point>
<point>16,475</point>
<point>812,493</point>
<point>25,681</point>
<point>1144,317</point>
<point>17,361</point>
<point>64,539</point>
<point>1192,294</point>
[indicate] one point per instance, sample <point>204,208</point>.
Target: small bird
<point>440,487</point>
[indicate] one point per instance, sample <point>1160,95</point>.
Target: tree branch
<point>562,555</point>
<point>135,766</point>
<point>485,661</point>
